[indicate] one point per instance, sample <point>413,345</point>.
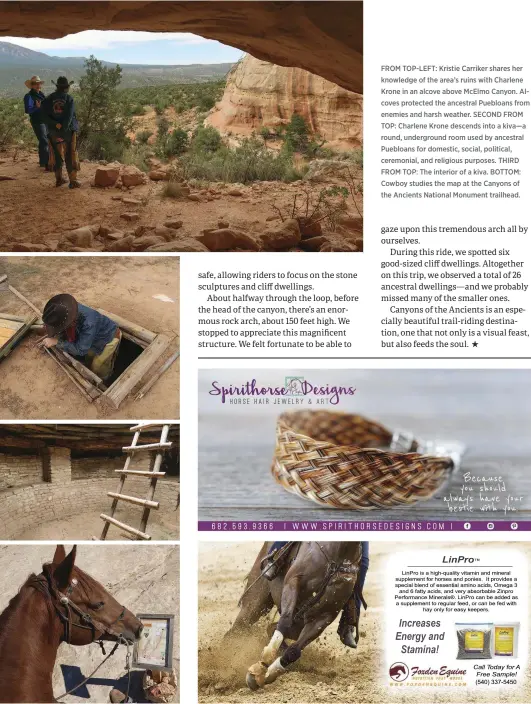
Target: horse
<point>310,591</point>
<point>62,604</point>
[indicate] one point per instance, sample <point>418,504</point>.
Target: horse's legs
<point>257,672</point>
<point>309,633</point>
<point>255,602</point>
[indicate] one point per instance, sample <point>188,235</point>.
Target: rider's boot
<point>59,180</point>
<point>74,183</point>
<point>348,625</point>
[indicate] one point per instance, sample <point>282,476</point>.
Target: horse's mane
<point>8,612</point>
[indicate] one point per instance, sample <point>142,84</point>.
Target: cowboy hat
<point>62,82</point>
<point>32,80</point>
<point>59,313</point>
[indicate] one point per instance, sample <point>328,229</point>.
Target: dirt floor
<point>85,525</point>
<point>59,210</point>
<point>144,578</point>
<point>144,290</point>
<point>328,671</point>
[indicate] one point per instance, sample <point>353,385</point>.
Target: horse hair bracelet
<point>342,460</point>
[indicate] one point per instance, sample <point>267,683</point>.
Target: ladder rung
<point>133,500</point>
<point>155,446</point>
<point>147,426</point>
<point>141,472</point>
<point>125,527</point>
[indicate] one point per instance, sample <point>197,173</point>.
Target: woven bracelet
<point>339,460</point>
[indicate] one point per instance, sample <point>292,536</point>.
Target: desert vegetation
<point>156,138</point>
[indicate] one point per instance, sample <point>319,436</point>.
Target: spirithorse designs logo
<point>399,671</point>
<point>294,385</point>
<point>296,389</point>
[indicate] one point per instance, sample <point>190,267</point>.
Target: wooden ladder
<point>153,473</point>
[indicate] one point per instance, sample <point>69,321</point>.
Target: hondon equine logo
<point>399,671</point>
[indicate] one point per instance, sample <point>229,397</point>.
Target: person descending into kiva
<point>82,332</point>
<point>32,107</point>
<point>275,561</point>
<point>59,115</point>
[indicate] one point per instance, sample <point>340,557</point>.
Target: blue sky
<point>134,47</point>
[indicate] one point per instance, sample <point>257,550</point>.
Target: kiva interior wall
<point>102,467</point>
<point>19,470</point>
<point>23,507</point>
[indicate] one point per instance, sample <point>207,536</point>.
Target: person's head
<point>63,84</point>
<point>34,83</point>
<point>59,314</point>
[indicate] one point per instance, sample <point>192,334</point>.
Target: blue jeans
<point>42,135</point>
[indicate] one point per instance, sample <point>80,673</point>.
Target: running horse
<point>310,591</point>
<point>62,604</point>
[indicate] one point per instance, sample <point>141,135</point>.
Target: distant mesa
<point>18,63</point>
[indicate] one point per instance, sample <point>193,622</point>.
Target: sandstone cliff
<point>262,94</point>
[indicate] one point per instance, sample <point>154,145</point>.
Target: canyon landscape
<point>249,156</point>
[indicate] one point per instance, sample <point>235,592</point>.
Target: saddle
<point>273,565</point>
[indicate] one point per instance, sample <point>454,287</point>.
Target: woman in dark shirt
<point>32,107</point>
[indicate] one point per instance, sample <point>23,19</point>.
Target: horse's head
<point>86,608</point>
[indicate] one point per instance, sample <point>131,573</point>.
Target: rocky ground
<point>121,209</point>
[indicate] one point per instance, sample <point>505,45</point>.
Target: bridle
<point>65,607</point>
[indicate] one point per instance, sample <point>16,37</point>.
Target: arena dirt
<point>328,671</point>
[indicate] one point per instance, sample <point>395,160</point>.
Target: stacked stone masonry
<point>19,470</point>
<point>23,507</point>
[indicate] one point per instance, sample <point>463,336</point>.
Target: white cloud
<point>93,39</point>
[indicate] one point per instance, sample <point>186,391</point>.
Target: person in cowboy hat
<point>32,107</point>
<point>82,332</point>
<point>59,115</point>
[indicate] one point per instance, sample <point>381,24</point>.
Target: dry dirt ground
<point>33,387</point>
<point>143,578</point>
<point>34,212</point>
<point>328,671</point>
<point>86,524</point>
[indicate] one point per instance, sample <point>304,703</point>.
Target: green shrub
<point>137,109</point>
<point>206,139</point>
<point>143,136</point>
<point>98,145</point>
<point>163,125</point>
<point>137,155</point>
<point>175,143</point>
<point>251,161</point>
<point>296,134</point>
<point>101,113</point>
<point>15,128</point>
